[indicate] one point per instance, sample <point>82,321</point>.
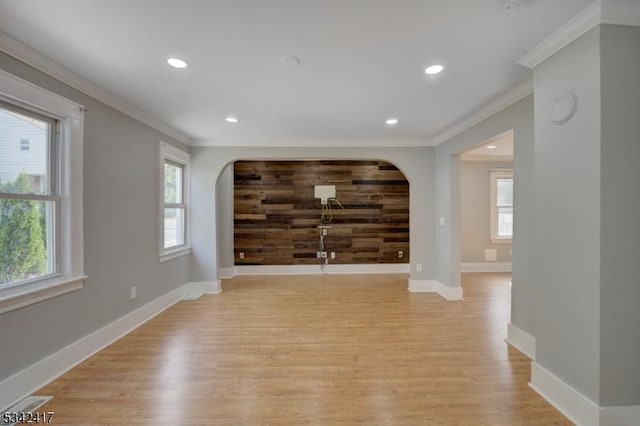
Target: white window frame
<point>171,153</point>
<point>69,226</point>
<point>496,174</point>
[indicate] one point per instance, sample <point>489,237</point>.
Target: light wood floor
<point>325,350</point>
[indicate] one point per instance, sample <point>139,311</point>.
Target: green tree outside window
<point>22,234</point>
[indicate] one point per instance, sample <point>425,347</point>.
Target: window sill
<point>21,295</point>
<point>174,254</point>
<point>501,240</point>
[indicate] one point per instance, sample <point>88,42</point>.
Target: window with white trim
<point>501,213</point>
<point>29,203</point>
<point>174,207</point>
<point>41,241</point>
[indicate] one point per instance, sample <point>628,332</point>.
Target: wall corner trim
<point>506,100</point>
<point>25,382</point>
<point>434,286</point>
<point>577,407</point>
<point>521,340</point>
<point>573,29</point>
<point>227,273</point>
<point>193,290</point>
<point>29,56</point>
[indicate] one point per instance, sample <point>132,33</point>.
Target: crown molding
<point>487,158</point>
<point>621,12</point>
<point>314,143</point>
<point>31,57</point>
<point>508,99</point>
<point>631,21</point>
<point>576,27</point>
<point>611,12</point>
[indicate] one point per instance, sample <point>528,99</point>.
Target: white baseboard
<point>485,267</point>
<point>521,340</point>
<point>625,415</point>
<point>199,288</point>
<point>227,272</point>
<point>577,407</point>
<point>433,286</point>
<point>376,268</point>
<point>27,381</point>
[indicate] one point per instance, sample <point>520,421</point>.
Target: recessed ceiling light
<point>392,121</point>
<point>177,63</point>
<point>491,147</point>
<point>231,119</point>
<point>434,69</point>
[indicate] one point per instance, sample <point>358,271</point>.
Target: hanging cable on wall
<point>327,212</point>
<point>327,195</point>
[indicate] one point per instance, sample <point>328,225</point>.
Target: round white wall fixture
<point>564,107</point>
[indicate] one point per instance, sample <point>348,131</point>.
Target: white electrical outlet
<point>418,267</point>
<point>441,221</point>
<point>241,255</point>
<point>400,254</point>
<point>321,254</point>
<point>333,254</point>
<point>134,293</point>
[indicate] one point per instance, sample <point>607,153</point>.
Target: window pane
<point>26,239</point>
<point>174,227</point>
<point>23,153</point>
<point>173,183</point>
<point>505,191</point>
<point>505,221</point>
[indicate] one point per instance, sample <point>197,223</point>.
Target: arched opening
<point>417,164</point>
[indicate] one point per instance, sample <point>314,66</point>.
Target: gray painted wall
<point>224,217</point>
<point>120,218</point>
<point>417,163</point>
<point>518,117</point>
<point>567,208</point>
<point>620,218</point>
<point>475,204</point>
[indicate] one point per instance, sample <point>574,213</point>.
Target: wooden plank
<point>278,197</point>
<point>261,216</point>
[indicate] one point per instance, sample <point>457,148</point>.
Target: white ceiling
<point>362,61</point>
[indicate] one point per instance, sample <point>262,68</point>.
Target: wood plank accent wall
<point>276,215</point>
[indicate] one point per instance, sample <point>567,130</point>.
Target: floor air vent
<point>27,405</point>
